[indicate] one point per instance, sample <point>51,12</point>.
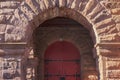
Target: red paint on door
<point>62,62</point>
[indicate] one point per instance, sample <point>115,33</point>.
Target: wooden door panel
<point>62,62</point>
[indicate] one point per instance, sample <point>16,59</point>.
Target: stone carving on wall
<point>113,74</point>
<point>113,68</point>
<point>30,69</point>
<point>10,68</point>
<point>30,73</point>
<point>113,64</point>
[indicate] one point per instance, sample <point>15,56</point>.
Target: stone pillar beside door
<point>108,61</point>
<point>29,65</point>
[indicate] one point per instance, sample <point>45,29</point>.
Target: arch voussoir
<point>109,29</point>
<point>97,9</point>
<point>33,5</point>
<point>27,11</point>
<point>30,9</point>
<point>104,23</point>
<point>76,4</point>
<point>89,7</point>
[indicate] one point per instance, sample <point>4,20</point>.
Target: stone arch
<point>92,10</point>
<point>79,41</point>
<point>41,31</point>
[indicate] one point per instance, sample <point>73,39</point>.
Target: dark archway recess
<point>68,32</point>
<point>62,62</point>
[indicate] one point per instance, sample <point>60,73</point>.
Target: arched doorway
<point>62,62</point>
<point>64,29</point>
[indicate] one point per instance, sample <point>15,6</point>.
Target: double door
<point>62,69</point>
<point>62,63</point>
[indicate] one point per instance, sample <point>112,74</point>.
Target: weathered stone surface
<point>13,67</point>
<point>104,23</point>
<point>95,11</point>
<point>109,29</point>
<point>111,37</point>
<point>116,18</point>
<point>14,20</point>
<point>76,4</point>
<point>115,11</point>
<point>27,11</point>
<point>3,27</point>
<point>99,17</point>
<point>112,5</point>
<point>111,65</point>
<point>69,3</point>
<point>89,7</point>
<point>118,27</point>
<point>14,33</point>
<point>19,17</point>
<point>48,3</point>
<point>2,19</point>
<point>34,5</point>
<point>115,74</point>
<point>9,4</point>
<point>2,36</point>
<point>90,75</point>
<point>6,11</point>
<point>62,3</point>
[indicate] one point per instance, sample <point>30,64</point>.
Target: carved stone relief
<point>113,68</point>
<point>10,68</point>
<point>30,75</point>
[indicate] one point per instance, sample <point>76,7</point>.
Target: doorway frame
<point>76,43</point>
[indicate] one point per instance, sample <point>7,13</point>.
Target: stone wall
<point>18,19</point>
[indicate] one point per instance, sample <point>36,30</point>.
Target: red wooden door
<point>62,62</point>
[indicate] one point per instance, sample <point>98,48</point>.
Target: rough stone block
<point>89,7</point>
<point>6,11</point>
<point>34,5</point>
<point>118,27</point>
<point>9,4</point>
<point>62,3</point>
<point>27,11</point>
<point>116,18</point>
<point>115,11</point>
<point>3,27</point>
